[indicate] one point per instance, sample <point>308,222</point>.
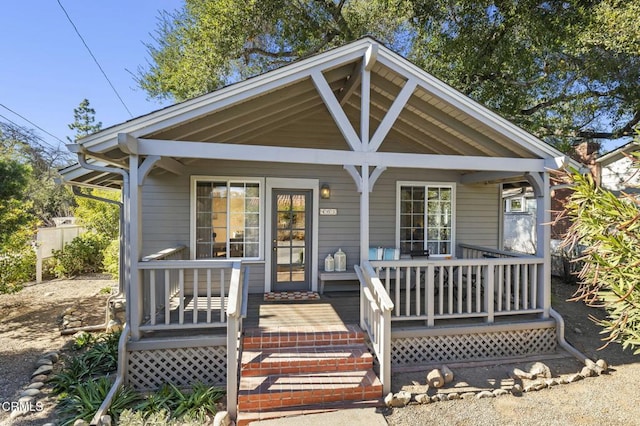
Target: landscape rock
<point>43,369</point>
<point>435,378</point>
<point>442,397</point>
<point>423,398</point>
<point>105,420</point>
<point>521,374</point>
<point>539,369</point>
<point>17,413</point>
<point>467,395</point>
<point>485,394</point>
<point>447,374</point>
<point>222,418</point>
<point>26,399</point>
<point>39,378</point>
<point>80,422</point>
<point>587,372</point>
<point>500,392</point>
<point>516,390</point>
<point>602,364</point>
<point>453,396</point>
<point>54,356</point>
<point>551,382</point>
<point>35,385</point>
<point>114,326</point>
<point>399,399</point>
<point>30,392</point>
<point>388,399</point>
<point>574,378</point>
<point>43,361</point>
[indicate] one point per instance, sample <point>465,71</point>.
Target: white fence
<point>50,239</point>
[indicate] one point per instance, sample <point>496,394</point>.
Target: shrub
<point>84,254</point>
<point>111,262</point>
<point>16,268</point>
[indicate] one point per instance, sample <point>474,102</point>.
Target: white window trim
<point>454,201</point>
<point>192,201</point>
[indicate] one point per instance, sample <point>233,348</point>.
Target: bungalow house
<point>233,200</point>
<point>616,169</point>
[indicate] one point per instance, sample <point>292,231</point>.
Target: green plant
<point>83,254</point>
<point>16,267</point>
<point>111,262</point>
<point>75,371</point>
<point>198,402</point>
<point>83,340</point>
<point>85,399</point>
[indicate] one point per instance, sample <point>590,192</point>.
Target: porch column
<point>541,186</point>
<point>135,244</point>
<point>364,213</point>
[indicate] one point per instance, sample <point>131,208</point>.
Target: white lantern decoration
<point>329,263</point>
<point>340,261</point>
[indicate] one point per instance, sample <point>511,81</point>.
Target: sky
<point>46,71</point>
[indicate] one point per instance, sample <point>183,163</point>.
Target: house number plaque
<point>328,212</point>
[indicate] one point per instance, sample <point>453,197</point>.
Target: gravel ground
<point>30,326</point>
<point>611,399</point>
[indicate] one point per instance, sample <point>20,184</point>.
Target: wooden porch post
<point>134,298</point>
<point>364,214</point>
<point>542,188</point>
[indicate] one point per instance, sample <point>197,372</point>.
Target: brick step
<point>266,393</point>
<point>247,417</point>
<point>256,338</point>
<point>308,359</point>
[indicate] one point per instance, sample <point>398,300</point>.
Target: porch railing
<point>236,312</point>
<point>181,294</point>
<point>375,319</point>
<point>468,251</point>
<point>448,289</point>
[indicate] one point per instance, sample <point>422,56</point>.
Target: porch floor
<point>331,312</point>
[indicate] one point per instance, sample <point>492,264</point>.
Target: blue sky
<point>46,70</point>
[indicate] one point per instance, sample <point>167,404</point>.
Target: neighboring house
<point>519,222</point>
<point>352,149</point>
<point>617,172</point>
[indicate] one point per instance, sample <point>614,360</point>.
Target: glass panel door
<point>291,242</point>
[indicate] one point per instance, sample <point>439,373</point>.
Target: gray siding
<point>166,207</point>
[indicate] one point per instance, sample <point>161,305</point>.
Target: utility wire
<point>94,58</point>
<point>30,122</point>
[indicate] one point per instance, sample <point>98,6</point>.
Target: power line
<point>30,122</point>
<point>94,58</point>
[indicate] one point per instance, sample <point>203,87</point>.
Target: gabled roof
<point>618,153</point>
<point>288,107</point>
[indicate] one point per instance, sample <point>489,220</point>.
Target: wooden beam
<point>392,115</point>
<point>336,111</point>
<point>145,167</point>
<point>481,177</point>
<point>375,174</point>
<point>351,169</point>
<point>222,151</point>
<point>351,85</point>
<point>127,143</point>
<point>171,165</point>
<point>371,56</point>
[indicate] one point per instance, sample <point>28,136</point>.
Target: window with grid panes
<point>227,219</point>
<point>426,218</point>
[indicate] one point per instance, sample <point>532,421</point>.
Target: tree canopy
<point>562,69</point>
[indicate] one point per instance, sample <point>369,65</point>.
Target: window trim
<point>427,184</point>
<point>192,214</point>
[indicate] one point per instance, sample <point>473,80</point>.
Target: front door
<point>291,239</point>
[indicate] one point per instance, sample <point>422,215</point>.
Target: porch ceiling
<point>286,108</point>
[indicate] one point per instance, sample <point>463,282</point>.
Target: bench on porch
<point>375,253</point>
<point>336,276</point>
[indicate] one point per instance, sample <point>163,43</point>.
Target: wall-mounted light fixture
<point>325,191</point>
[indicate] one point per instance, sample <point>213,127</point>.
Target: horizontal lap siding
<point>166,207</point>
<point>478,213</point>
<point>477,208</point>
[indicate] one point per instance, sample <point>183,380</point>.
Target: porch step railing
<point>375,319</point>
<point>447,289</point>
<point>183,294</point>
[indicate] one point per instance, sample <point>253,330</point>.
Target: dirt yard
<point>30,323</point>
<point>30,326</point>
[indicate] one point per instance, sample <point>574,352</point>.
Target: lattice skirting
<point>407,351</point>
<point>148,370</point>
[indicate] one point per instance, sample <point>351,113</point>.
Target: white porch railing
<point>375,319</point>
<point>182,294</point>
<point>447,289</point>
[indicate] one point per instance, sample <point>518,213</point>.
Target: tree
<point>608,228</point>
<point>84,122</point>
<point>545,64</point>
